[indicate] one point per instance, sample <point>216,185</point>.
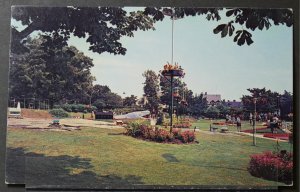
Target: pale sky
<point>212,64</point>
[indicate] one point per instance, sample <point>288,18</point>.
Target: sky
<point>212,64</point>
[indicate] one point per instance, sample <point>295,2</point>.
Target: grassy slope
<point>216,160</point>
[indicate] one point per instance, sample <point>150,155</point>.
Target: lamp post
<point>254,121</point>
<point>278,106</point>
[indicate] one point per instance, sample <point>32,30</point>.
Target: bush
<point>67,107</point>
<point>135,129</point>
<point>187,136</point>
<point>59,113</point>
<point>76,108</point>
<point>272,166</point>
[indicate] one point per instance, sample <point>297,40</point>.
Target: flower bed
<point>219,123</point>
<point>272,166</point>
<point>182,125</point>
<point>257,129</point>
<point>283,136</point>
<point>159,135</point>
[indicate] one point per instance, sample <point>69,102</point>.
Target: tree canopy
<point>103,98</point>
<point>241,20</point>
<point>104,26</point>
<point>151,90</point>
<point>266,100</point>
<point>50,71</point>
<point>130,101</point>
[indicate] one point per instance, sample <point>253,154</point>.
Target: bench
<point>213,128</point>
<point>224,129</point>
<point>119,122</point>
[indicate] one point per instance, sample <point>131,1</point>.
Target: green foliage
<point>59,113</point>
<point>160,119</point>
<point>130,101</point>
<point>133,127</point>
<point>151,89</point>
<point>239,18</point>
<point>50,70</point>
<point>76,108</point>
<point>266,100</point>
<point>114,22</point>
<point>212,112</point>
<point>110,22</point>
<point>103,98</point>
<point>143,131</point>
<point>197,106</point>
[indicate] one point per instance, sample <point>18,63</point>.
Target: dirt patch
<point>68,124</point>
<point>33,113</point>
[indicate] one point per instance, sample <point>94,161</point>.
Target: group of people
<point>234,119</point>
<point>271,119</point>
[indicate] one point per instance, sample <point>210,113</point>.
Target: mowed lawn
<point>95,156</point>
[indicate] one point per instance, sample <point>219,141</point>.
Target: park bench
<point>214,128</point>
<point>224,129</point>
<point>119,122</point>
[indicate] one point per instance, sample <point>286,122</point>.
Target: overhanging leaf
<point>219,28</point>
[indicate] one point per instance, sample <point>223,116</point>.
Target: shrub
<point>59,113</point>
<point>162,135</point>
<point>67,107</point>
<point>187,136</point>
<point>135,129</point>
<point>272,166</point>
<point>76,108</point>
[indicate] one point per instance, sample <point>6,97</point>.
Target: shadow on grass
<point>115,133</point>
<point>36,170</point>
<point>169,157</point>
<point>222,167</point>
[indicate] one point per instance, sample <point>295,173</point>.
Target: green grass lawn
<point>106,156</point>
<point>204,125</point>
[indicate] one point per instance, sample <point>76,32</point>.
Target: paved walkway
<point>259,136</point>
<point>241,134</point>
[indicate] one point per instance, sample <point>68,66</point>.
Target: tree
<point>182,90</point>
<point>103,98</point>
<point>286,104</point>
<point>212,112</point>
<point>103,26</point>
<point>130,101</point>
<point>151,89</point>
<point>197,106</point>
<point>50,70</point>
<point>267,101</point>
<point>244,18</point>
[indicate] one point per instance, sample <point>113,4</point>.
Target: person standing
<point>238,124</point>
<point>250,118</point>
<point>275,122</point>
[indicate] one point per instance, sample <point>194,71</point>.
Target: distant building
<point>234,104</point>
<point>212,98</point>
